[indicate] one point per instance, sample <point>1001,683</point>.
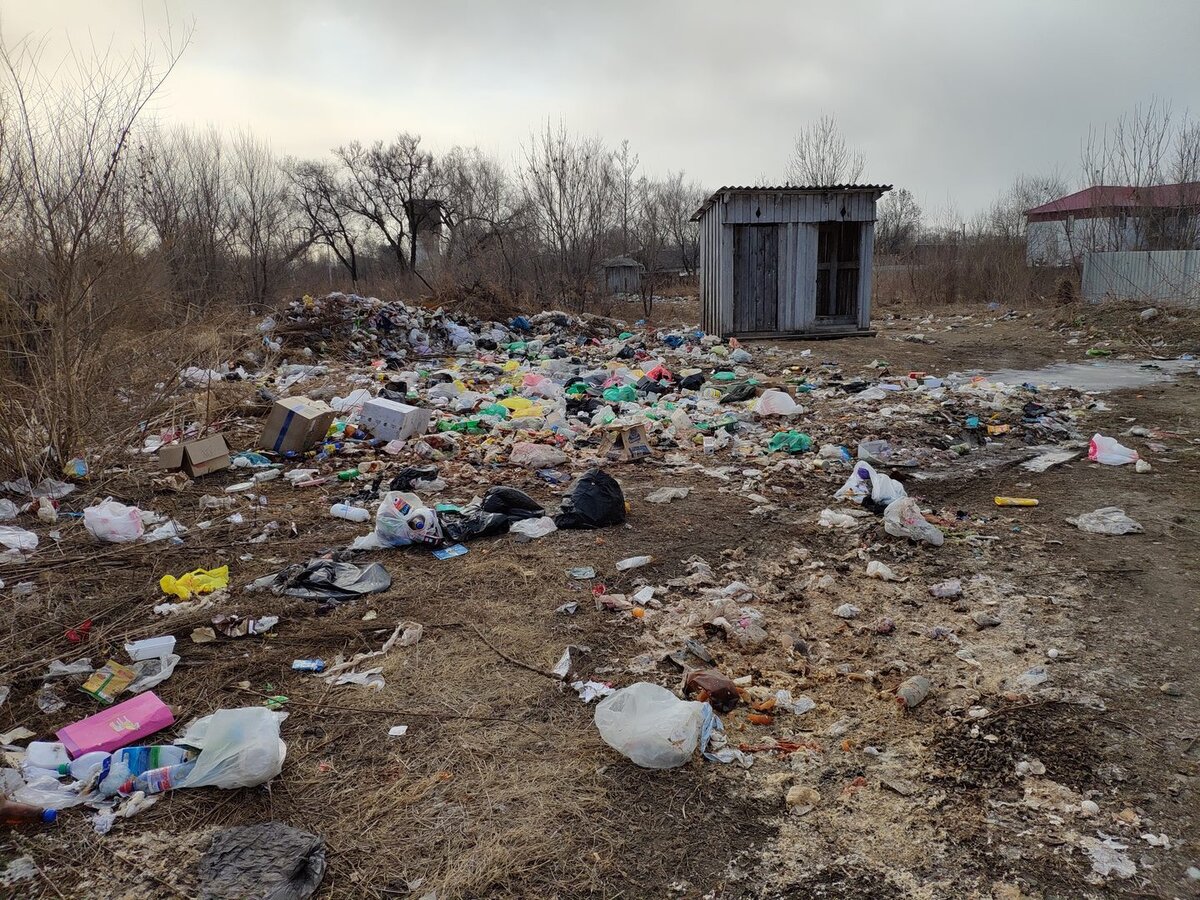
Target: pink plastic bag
<point>1109,452</point>
<point>118,726</point>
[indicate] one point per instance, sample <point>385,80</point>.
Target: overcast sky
<point>951,98</point>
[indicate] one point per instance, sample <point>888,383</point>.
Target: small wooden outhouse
<point>788,261</point>
<point>621,275</point>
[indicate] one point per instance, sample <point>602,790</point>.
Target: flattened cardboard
<point>295,424</point>
<point>626,444</point>
<point>196,458</point>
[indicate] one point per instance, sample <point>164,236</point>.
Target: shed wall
<point>763,209</point>
<point>797,215</point>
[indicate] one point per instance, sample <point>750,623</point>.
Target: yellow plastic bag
<point>201,581</point>
<point>516,403</point>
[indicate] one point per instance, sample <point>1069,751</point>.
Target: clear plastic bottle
<point>156,781</point>
<point>349,513</point>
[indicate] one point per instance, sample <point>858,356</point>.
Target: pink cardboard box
<point>118,726</point>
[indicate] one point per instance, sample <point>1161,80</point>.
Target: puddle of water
<point>1106,375</point>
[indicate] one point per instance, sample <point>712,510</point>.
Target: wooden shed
<point>621,275</point>
<point>788,261</point>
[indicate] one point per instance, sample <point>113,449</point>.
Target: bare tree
<point>485,216</point>
<point>680,200</point>
<point>821,156</point>
<point>628,191</point>
<point>67,143</point>
<point>567,184</point>
<point>325,209</point>
<point>395,187</point>
<point>265,241</point>
<point>898,222</point>
<point>653,228</point>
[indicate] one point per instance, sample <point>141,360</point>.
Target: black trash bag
<point>739,392</point>
<point>269,860</point>
<point>596,501</point>
<point>650,386</point>
<point>462,526</point>
<point>405,477</point>
<point>692,382</point>
<point>512,503</point>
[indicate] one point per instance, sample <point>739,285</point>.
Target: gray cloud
<point>948,98</point>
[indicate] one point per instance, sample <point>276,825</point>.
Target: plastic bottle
<point>129,760</point>
<point>266,475</point>
<point>156,781</point>
<point>13,814</point>
<point>46,755</point>
<point>349,513</point>
<point>347,474</point>
<point>82,767</point>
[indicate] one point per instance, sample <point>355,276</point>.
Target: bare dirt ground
<point>502,787</point>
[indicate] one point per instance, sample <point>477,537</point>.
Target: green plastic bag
<point>623,394</point>
<point>790,442</point>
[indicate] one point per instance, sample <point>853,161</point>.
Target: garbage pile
<point>387,416</point>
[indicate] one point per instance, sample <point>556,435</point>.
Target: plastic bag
<point>902,518</point>
<point>511,502</point>
<point>199,581</point>
<point>650,725</point>
<point>790,441</point>
<point>595,501</point>
<point>242,748</point>
<point>865,482</point>
<point>531,529</point>
<point>17,540</point>
<point>114,522</point>
<point>402,519</point>
<point>1107,520</point>
<point>777,403</point>
<point>536,456</point>
<point>1109,452</point>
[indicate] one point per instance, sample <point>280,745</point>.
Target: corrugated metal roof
<point>792,189</point>
<point>1105,196</point>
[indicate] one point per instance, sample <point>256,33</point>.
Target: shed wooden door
<point>838,262</point>
<point>755,278</point>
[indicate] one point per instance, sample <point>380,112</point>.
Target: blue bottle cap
<point>49,816</point>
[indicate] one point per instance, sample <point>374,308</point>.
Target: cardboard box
<point>118,726</point>
<point>295,424</point>
<point>196,458</point>
<point>388,420</point>
<point>624,444</point>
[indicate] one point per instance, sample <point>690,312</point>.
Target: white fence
<point>1155,276</point>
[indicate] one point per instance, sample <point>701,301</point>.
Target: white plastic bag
<point>531,529</point>
<point>113,522</point>
<point>242,748</point>
<point>1107,520</point>
<point>902,518</point>
<point>402,519</point>
<point>776,403</point>
<point>536,456</point>
<point>650,725</point>
<point>1109,452</point>
<point>17,541</point>
<point>865,482</point>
